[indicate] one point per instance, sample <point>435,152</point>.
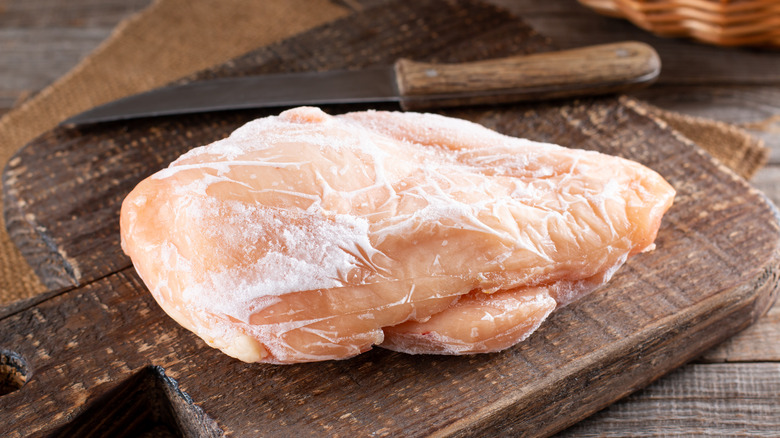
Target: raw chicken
<point>307,237</point>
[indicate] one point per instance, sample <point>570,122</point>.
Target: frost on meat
<point>306,237</point>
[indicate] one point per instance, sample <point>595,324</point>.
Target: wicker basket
<point>720,22</point>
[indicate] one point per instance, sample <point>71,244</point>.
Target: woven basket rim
<point>719,22</point>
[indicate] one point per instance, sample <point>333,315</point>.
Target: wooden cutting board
<point>101,359</point>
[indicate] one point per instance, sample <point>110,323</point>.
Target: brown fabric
<point>189,35</point>
<point>734,147</point>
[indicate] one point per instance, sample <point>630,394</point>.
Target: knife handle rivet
<point>621,53</point>
<point>431,73</point>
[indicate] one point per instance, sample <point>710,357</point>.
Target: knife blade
<point>601,69</point>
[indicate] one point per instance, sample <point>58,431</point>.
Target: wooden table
<point>733,389</point>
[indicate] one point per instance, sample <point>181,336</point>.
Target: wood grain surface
<point>694,400</point>
<point>58,364</point>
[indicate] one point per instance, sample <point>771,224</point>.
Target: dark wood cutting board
<point>101,359</point>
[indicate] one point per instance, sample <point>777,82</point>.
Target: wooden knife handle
<point>591,70</point>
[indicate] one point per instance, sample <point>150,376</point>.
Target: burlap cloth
<point>190,35</point>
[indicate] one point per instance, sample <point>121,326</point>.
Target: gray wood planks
<point>738,400</point>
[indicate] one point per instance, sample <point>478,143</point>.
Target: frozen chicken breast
<point>307,237</point>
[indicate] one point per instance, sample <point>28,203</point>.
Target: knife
<point>601,69</point>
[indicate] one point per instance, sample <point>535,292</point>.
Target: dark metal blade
<point>277,90</point>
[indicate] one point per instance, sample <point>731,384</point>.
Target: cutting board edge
<point>52,267</point>
<point>741,306</point>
